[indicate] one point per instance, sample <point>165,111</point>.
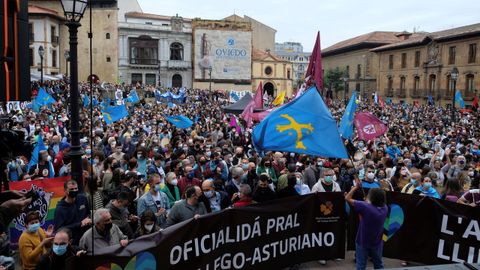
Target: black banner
<point>431,231</point>
<point>270,235</point>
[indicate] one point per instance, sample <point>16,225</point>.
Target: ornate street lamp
<point>454,77</point>
<point>74,10</point>
<point>41,53</point>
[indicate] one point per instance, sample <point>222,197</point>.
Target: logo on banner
<point>40,205</point>
<point>143,260</point>
<point>231,41</point>
<point>393,222</point>
<point>369,129</point>
<point>327,208</point>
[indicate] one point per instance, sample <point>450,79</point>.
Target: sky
<point>337,20</point>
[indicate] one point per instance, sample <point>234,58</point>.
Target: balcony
<point>31,38</point>
<point>178,64</point>
<point>55,40</point>
<point>144,61</point>
<point>416,93</point>
<point>401,93</point>
<point>388,92</point>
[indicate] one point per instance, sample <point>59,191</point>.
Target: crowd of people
<point>142,174</point>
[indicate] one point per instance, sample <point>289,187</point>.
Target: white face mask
<point>175,182</point>
<point>148,228</point>
<point>370,175</point>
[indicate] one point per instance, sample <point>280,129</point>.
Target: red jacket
<point>243,202</point>
<point>184,183</point>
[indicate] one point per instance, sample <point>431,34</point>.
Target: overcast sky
<point>298,20</point>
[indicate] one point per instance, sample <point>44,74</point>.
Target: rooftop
<point>142,15</point>
<point>35,10</point>
<point>371,40</point>
<point>262,55</point>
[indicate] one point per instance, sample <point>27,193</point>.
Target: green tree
<point>333,79</point>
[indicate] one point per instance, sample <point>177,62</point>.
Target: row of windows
<point>151,79</point>
<point>452,52</point>
<point>45,58</point>
<point>268,71</point>
<point>432,79</point>
<point>144,51</point>
<point>293,58</point>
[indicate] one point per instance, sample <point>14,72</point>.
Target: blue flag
<point>86,101</point>
<point>94,102</point>
<point>430,100</point>
<point>303,126</point>
<point>40,146</point>
<point>389,101</point>
<point>459,99</point>
<point>42,99</point>
<point>171,105</point>
<point>180,121</point>
<point>133,97</point>
<point>346,125</point>
<point>114,113</point>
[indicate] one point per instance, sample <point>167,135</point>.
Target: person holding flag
<point>40,165</point>
<point>346,125</point>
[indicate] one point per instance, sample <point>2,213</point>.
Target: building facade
<point>155,50</point>
<point>105,40</point>
<point>263,36</point>
<point>359,65</point>
<point>44,30</point>
<point>273,72</point>
<point>420,66</point>
<point>293,51</point>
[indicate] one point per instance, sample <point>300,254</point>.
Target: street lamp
<point>41,53</point>
<point>67,58</point>
<point>210,74</point>
<point>74,10</point>
<point>345,86</point>
<point>454,76</point>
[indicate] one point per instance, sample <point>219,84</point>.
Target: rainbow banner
<point>50,191</point>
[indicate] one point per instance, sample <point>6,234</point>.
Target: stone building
<point>273,72</point>
<point>263,36</point>
<point>293,51</point>
<point>105,39</point>
<point>354,57</point>
<point>420,65</point>
<point>155,50</point>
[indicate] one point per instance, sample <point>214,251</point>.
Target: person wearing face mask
<point>44,167</point>
<point>459,168</point>
<point>300,187</point>
<point>263,192</point>
<point>214,199</point>
<point>117,152</point>
<point>157,165</point>
<point>72,211</point>
<point>120,215</point>
<point>188,208</point>
<point>147,224</point>
<point>142,160</point>
<point>154,200</point>
<point>33,241</point>
<point>313,172</point>
<point>171,189</point>
<point>265,166</point>
<point>239,156</point>
<point>61,251</point>
<point>105,233</point>
<point>188,180</point>
<point>290,189</point>
<point>383,181</point>
<point>426,188</point>
<point>233,186</point>
<point>415,181</point>
<point>326,183</point>
<point>244,196</point>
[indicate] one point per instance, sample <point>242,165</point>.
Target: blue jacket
<point>147,202</point>
<point>393,152</point>
<point>71,216</point>
<point>430,192</point>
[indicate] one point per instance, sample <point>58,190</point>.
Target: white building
<point>44,25</point>
<point>293,51</point>
<point>155,49</point>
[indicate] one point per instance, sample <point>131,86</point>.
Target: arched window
<point>431,83</point>
<point>416,84</point>
<point>449,85</point>
<point>107,35</point>
<point>402,84</point>
<point>177,80</point>
<point>176,51</point>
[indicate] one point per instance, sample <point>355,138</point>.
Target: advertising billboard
<point>228,53</point>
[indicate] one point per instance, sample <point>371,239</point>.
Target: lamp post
<point>41,53</point>
<point>454,76</point>
<point>74,10</point>
<point>67,58</point>
<point>210,74</point>
<point>345,87</point>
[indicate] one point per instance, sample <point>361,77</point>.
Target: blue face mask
<point>158,187</point>
<point>328,179</point>
<point>427,185</point>
<point>34,227</point>
<point>59,250</point>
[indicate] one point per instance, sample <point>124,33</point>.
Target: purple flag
<point>368,126</point>
<point>233,123</point>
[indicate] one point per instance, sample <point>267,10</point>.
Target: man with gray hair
<point>233,186</point>
<point>243,197</point>
<point>105,233</point>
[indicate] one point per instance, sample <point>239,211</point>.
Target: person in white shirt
<point>326,183</point>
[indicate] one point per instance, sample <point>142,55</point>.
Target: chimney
<point>403,35</point>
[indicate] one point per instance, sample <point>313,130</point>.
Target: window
<point>108,59</point>
<point>472,53</point>
<point>107,35</point>
<point>143,51</point>
<point>451,55</point>
<point>31,36</point>
<point>268,70</point>
<point>449,84</point>
<point>417,58</point>
<point>470,87</point>
<point>54,58</point>
<point>137,78</point>
<point>31,54</point>
<point>390,61</point>
<point>404,60</point>
<point>390,84</point>
<point>176,51</point>
<point>359,71</point>
<point>416,84</point>
<point>288,73</point>
<point>177,80</point>
<point>402,84</point>
<point>149,23</point>
<point>432,81</point>
<point>52,34</point>
<point>348,71</point>
<point>150,79</point>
